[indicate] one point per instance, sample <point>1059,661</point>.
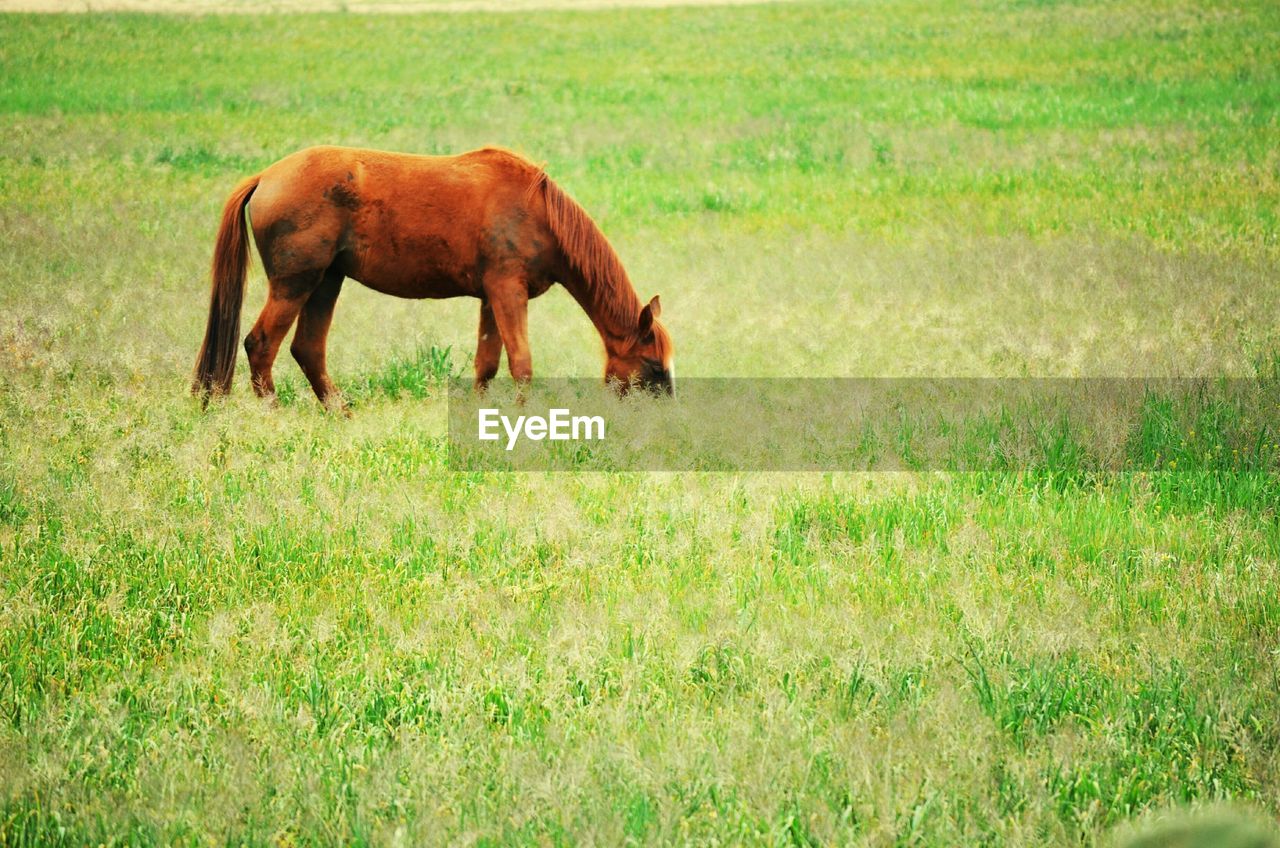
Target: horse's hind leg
<point>489,346</point>
<point>308,346</point>
<point>285,298</point>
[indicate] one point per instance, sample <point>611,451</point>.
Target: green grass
<point>278,626</point>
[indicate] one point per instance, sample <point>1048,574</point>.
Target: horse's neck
<point>614,313</point>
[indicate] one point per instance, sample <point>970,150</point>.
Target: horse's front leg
<point>488,348</point>
<point>508,296</point>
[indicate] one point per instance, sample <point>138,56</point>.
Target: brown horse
<point>486,224</point>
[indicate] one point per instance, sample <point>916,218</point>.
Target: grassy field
<point>277,626</point>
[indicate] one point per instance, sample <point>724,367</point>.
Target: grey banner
<point>1064,426</point>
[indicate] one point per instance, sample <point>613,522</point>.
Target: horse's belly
<point>416,289</point>
<point>428,270</point>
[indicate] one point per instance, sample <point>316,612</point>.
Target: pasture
<point>280,626</point>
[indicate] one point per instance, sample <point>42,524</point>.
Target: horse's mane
<point>589,253</point>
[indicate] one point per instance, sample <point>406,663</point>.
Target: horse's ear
<point>650,312</point>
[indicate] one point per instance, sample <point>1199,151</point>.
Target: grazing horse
<point>487,224</point>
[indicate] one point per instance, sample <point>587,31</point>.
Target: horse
<point>487,224</point>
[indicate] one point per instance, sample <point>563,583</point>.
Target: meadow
<point>255,625</point>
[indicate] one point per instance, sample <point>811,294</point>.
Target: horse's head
<point>645,357</point>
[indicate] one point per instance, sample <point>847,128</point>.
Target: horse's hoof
<point>336,405</point>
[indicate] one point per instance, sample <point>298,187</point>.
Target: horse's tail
<point>216,363</point>
<point>587,250</point>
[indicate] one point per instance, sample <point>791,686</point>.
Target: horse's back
<point>344,174</point>
<point>406,224</point>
